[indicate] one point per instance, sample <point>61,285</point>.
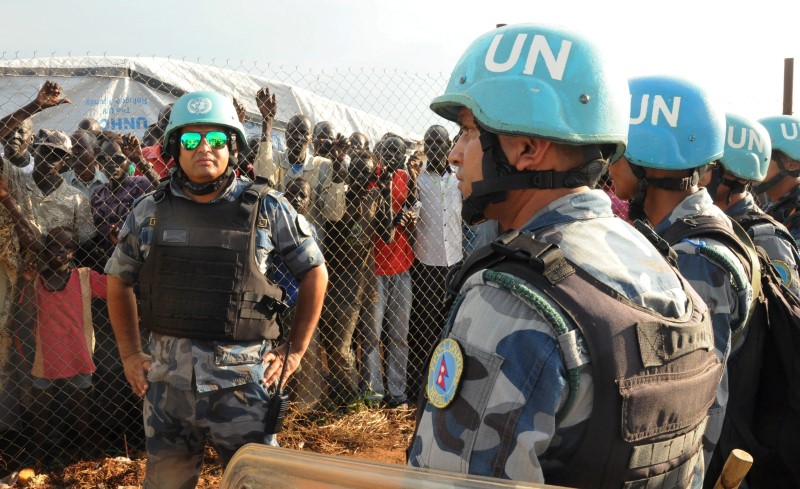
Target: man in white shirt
<point>437,248</point>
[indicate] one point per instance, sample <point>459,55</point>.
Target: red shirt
<point>397,256</point>
<point>62,345</point>
<point>153,156</point>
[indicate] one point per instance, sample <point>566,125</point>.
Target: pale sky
<point>735,49</point>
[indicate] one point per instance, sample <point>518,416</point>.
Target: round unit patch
<point>444,373</point>
<point>784,271</point>
<point>199,105</point>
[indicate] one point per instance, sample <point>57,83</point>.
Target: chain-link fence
<point>387,217</point>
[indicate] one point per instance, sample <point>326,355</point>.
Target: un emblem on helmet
<point>199,105</point>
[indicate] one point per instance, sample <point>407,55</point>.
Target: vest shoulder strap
<point>544,258</point>
<point>750,220</point>
<point>251,197</point>
<point>737,240</point>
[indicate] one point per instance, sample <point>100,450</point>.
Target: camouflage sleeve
<point>513,371</point>
<point>288,234</point>
<point>133,243</point>
<point>782,255</point>
<point>714,285</point>
<point>726,294</point>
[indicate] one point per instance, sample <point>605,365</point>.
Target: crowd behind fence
<point>390,231</point>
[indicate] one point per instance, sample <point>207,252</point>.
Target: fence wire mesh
<point>389,239</point>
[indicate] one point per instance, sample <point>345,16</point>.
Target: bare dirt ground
<point>380,435</point>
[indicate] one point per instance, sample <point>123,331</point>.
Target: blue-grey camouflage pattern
<point>207,389</point>
<point>516,363</point>
<point>781,252</point>
<point>178,422</point>
<point>713,282</point>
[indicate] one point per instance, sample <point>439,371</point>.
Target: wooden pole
<point>788,85</point>
<point>736,467</point>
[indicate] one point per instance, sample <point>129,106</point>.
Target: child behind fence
<point>64,342</point>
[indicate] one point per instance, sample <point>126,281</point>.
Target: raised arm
<point>132,149</point>
<point>49,96</point>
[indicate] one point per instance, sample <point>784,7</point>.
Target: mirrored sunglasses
<point>215,139</point>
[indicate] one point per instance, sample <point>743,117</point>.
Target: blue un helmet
<point>746,157</point>
<point>204,107</point>
<point>747,148</point>
<point>673,126</point>
<point>544,82</point>
<point>784,132</point>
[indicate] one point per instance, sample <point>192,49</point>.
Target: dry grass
<point>351,434</point>
<point>375,434</point>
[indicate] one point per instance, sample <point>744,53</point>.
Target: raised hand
<point>131,147</point>
<point>266,103</point>
<point>240,111</point>
<point>50,95</point>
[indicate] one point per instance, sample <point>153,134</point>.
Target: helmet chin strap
<point>718,178</point>
<point>636,207</point>
<point>776,179</point>
<point>207,187</point>
<point>499,176</point>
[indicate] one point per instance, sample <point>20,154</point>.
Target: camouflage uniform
<point>526,361</point>
<point>207,390</point>
<point>712,281</point>
<point>784,210</point>
<point>782,253</point>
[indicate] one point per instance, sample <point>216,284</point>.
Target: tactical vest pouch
<point>663,403</point>
<point>200,279</point>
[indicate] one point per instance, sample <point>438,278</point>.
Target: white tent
<point>125,94</point>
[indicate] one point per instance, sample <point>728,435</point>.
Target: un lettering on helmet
<point>747,148</point>
<point>674,124</point>
<point>784,132</point>
<point>538,48</point>
<point>540,81</point>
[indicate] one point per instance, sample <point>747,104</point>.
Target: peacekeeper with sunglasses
<point>194,253</point>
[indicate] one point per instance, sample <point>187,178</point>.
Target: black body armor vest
<point>201,279</point>
<point>654,377</point>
